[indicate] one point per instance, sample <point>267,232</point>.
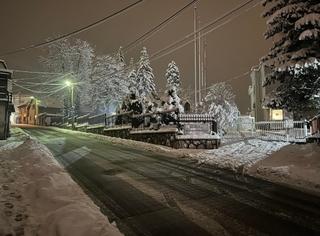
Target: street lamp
<point>37,101</point>
<point>71,86</point>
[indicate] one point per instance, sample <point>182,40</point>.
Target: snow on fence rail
<point>119,120</point>
<point>187,123</point>
<point>288,130</point>
<point>197,124</point>
<point>82,119</point>
<point>97,119</point>
<point>195,118</point>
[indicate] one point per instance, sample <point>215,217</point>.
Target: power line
<point>191,37</point>
<point>156,28</point>
<point>31,90</point>
<point>175,46</point>
<point>67,35</point>
<point>240,76</point>
<point>36,72</point>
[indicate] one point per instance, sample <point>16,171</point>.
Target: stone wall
<point>165,137</point>
<point>197,143</point>
<point>119,132</point>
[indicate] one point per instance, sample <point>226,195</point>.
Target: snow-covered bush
<point>220,103</point>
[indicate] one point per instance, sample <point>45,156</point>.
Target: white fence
<point>286,131</point>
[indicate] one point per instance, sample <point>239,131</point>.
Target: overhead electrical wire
<point>75,32</point>
<point>156,28</point>
<point>191,37</point>
<point>30,90</point>
<point>36,72</point>
<point>194,35</point>
<point>175,46</point>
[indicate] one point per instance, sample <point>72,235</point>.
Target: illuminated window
<point>276,114</point>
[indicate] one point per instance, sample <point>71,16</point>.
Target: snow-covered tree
<point>220,102</point>
<point>294,26</point>
<point>173,88</point>
<point>173,76</point>
<point>120,56</point>
<point>73,59</point>
<point>133,85</point>
<point>109,84</point>
<point>145,77</point>
<point>132,97</point>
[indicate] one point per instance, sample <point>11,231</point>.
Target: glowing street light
<point>68,83</point>
<point>71,86</point>
<point>37,102</point>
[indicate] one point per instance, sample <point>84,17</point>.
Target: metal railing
<point>287,131</point>
<point>97,119</point>
<point>119,120</point>
<point>82,119</point>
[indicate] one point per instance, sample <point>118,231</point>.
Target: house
<point>6,106</point>
<point>29,111</point>
<point>259,93</point>
<point>48,119</point>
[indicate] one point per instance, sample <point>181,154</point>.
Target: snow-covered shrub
<point>220,103</point>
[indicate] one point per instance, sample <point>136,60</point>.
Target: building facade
<point>29,112</point>
<point>6,106</point>
<point>259,93</point>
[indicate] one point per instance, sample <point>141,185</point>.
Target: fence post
<point>305,128</point>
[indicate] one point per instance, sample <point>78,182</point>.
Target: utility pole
<point>195,55</point>
<point>204,64</point>
<point>199,62</point>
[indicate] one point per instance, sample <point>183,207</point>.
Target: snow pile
<point>40,198</point>
<point>296,165</point>
<point>278,171</point>
<point>8,145</point>
<point>239,156</point>
<point>12,142</point>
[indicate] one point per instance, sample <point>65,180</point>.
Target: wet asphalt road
<point>152,194</point>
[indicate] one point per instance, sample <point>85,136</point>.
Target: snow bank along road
<point>148,193</point>
<point>38,197</point>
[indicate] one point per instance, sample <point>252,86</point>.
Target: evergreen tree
<point>173,87</point>
<point>145,77</point>
<point>132,78</point>
<point>294,26</point>
<point>121,56</point>
<point>173,76</point>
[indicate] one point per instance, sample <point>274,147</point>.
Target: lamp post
<point>71,86</point>
<point>36,101</point>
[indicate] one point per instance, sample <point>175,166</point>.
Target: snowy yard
<point>239,156</point>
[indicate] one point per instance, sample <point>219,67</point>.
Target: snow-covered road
<point>155,193</point>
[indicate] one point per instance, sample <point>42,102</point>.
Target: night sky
<point>232,49</point>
